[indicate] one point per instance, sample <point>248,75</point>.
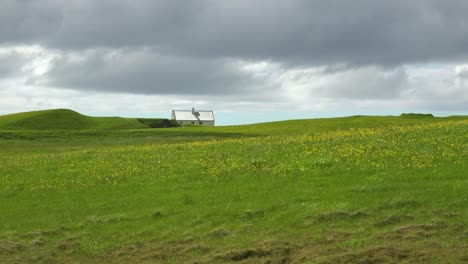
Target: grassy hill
<point>343,190</point>
<point>64,119</point>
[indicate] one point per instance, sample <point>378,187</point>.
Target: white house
<point>194,117</point>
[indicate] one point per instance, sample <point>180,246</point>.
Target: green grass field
<point>342,190</point>
<point>64,119</point>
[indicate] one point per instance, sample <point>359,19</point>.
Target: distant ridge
<point>66,119</point>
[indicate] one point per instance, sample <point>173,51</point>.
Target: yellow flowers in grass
<point>416,146</point>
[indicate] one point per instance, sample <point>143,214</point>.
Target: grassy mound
<point>64,119</point>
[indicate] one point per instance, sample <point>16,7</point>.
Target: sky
<point>248,60</point>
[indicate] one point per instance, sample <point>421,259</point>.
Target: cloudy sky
<point>249,60</point>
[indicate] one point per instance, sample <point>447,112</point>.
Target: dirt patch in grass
<point>341,215</point>
<point>44,233</point>
<point>252,214</point>
<point>180,252</point>
<point>334,237</point>
<point>422,227</point>
<point>245,254</point>
<point>373,255</point>
<point>11,247</point>
<point>446,213</point>
<point>171,252</point>
<point>331,217</point>
<point>393,219</point>
<point>219,233</point>
<point>417,232</point>
<point>324,250</point>
<point>200,249</point>
<point>37,242</point>
<point>67,245</point>
<point>258,255</point>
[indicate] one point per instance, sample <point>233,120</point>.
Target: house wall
<point>205,123</point>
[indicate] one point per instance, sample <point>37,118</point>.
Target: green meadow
<point>363,189</point>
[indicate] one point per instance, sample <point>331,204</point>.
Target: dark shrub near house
<point>158,122</point>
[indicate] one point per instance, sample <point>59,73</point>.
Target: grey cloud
<point>292,32</point>
<point>359,83</point>
<point>29,21</point>
<point>145,71</point>
<point>11,63</point>
<point>462,73</point>
<point>192,47</point>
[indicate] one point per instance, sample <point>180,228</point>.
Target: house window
<point>200,123</point>
<point>193,123</point>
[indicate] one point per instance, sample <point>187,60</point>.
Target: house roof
<point>188,115</point>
